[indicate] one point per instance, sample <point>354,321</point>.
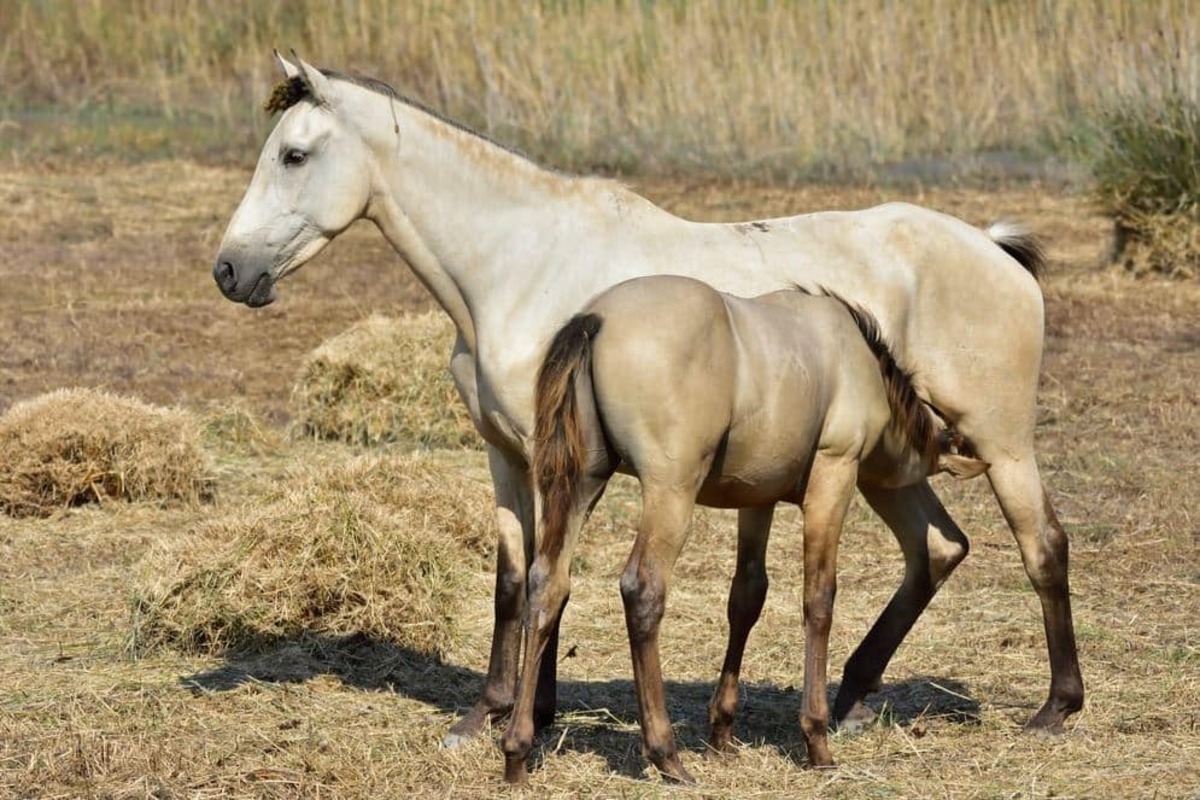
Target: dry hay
<point>76,446</point>
<point>1164,244</point>
<point>378,549</point>
<point>384,380</point>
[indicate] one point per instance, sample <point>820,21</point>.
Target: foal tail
<point>559,443</point>
<point>939,447</point>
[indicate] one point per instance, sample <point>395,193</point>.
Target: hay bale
<point>379,549</point>
<point>384,380</point>
<point>77,446</point>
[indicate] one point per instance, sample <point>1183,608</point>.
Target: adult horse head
<point>312,181</point>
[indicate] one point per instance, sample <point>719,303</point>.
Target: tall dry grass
<point>774,88</point>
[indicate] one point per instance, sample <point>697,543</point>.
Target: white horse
<point>511,250</point>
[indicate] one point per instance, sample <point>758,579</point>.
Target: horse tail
<point>559,440</point>
<point>1020,243</point>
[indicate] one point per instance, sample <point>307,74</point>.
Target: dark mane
<point>291,91</point>
<point>911,417</point>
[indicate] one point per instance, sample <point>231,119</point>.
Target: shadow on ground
<point>594,716</point>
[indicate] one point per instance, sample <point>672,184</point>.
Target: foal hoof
<point>515,771</point>
<point>860,717</point>
<point>673,770</point>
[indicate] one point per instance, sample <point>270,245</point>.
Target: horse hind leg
<point>1044,548</point>
<point>933,545</point>
<point>662,531</point>
<point>747,593</point>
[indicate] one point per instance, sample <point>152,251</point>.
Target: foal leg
<point>746,596</point>
<point>826,498</point>
<point>1043,544</point>
<point>549,587</point>
<point>666,514</point>
<point>515,521</point>
<point>933,545</point>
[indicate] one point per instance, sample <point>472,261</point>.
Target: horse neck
<point>467,214</point>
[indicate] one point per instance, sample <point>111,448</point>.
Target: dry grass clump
<point>76,446</point>
<point>384,380</point>
<point>1166,244</point>
<point>379,548</point>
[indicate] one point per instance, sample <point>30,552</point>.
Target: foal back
<point>747,389</point>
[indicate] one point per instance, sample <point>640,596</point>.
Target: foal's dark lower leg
<point>747,594</point>
<point>933,545</point>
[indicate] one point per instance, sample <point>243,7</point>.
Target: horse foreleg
<point>746,596</point>
<point>644,581</point>
<point>1043,544</point>
<point>515,521</point>
<point>933,545</point>
<point>826,498</point>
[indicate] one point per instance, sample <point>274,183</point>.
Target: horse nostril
<point>223,274</point>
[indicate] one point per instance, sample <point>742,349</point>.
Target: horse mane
<point>1020,243</point>
<point>911,417</point>
<point>290,91</point>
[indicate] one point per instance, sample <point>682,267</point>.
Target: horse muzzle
<point>255,291</point>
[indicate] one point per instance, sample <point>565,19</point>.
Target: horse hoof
<point>515,771</point>
<point>673,770</point>
<point>452,740</point>
<point>1045,729</point>
<point>860,717</point>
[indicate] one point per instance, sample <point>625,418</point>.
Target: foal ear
<point>318,85</point>
<point>289,69</point>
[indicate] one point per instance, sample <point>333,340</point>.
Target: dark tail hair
<point>1021,244</point>
<point>559,445</point>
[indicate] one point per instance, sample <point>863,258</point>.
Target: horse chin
<point>263,292</point>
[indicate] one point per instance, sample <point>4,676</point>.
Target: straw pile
<point>379,549</point>
<point>384,380</point>
<point>77,446</point>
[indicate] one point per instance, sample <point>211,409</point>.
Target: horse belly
<point>764,464</point>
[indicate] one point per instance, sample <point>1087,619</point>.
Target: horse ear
<point>290,70</point>
<point>317,83</point>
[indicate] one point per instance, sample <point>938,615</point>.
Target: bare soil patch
<point>105,283</point>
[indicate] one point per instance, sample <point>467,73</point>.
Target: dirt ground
<point>105,281</point>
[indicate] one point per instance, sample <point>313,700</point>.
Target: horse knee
<point>644,597</point>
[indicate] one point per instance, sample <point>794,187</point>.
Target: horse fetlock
<point>516,742</point>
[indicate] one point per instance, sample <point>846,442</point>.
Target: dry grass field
<point>105,282</point>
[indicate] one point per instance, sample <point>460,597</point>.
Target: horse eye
<point>293,158</point>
